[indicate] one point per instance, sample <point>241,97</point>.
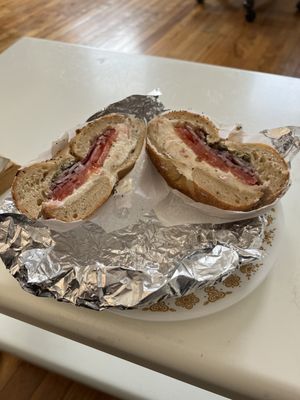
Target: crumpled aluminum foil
<point>144,107</point>
<point>137,265</point>
<point>285,140</point>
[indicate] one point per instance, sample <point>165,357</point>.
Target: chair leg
<point>200,1</point>
<point>250,11</point>
<point>298,5</point>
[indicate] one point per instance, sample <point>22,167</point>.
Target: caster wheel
<point>250,15</point>
<point>298,6</point>
<point>200,1</point>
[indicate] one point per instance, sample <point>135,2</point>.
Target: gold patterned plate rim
<point>218,297</point>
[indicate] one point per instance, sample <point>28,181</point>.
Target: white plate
<point>222,295</point>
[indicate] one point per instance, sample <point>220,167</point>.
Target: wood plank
<point>23,382</point>
<point>81,392</point>
<point>52,387</point>
<point>8,367</point>
<point>20,380</point>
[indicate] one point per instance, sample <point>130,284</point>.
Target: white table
<point>251,349</point>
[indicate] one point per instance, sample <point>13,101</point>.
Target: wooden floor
<point>20,380</point>
<point>215,33</point>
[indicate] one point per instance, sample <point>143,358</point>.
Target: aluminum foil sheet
<point>136,265</point>
<point>285,140</point>
<point>144,107</point>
